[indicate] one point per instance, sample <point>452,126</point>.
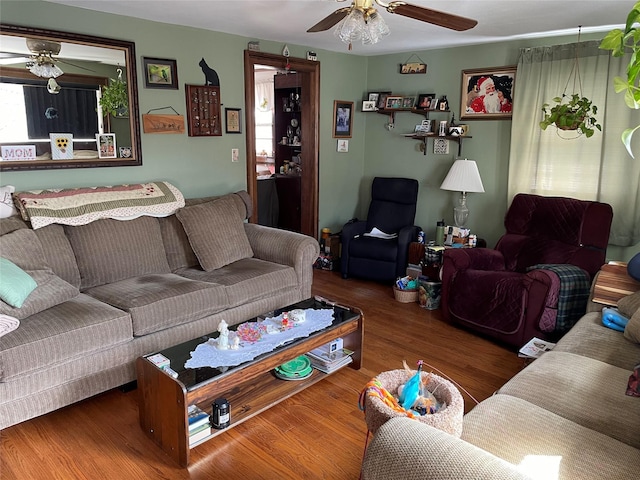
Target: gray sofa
<point>112,290</point>
<point>565,416</point>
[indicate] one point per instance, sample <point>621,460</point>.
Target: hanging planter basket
<point>572,112</point>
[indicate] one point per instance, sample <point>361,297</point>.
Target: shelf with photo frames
<point>423,137</point>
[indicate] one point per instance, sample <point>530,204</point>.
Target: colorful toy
<point>613,319</point>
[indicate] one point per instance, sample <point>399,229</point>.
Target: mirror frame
<point>131,79</point>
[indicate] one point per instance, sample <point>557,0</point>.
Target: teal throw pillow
<point>15,283</point>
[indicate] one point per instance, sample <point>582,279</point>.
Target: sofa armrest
<point>408,449</point>
<point>286,248</point>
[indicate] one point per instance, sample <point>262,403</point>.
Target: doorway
<point>309,74</point>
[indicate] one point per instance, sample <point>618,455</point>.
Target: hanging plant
<point>115,97</point>
<point>621,42</point>
<point>571,113</point>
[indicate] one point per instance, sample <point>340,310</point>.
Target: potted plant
<point>571,113</point>
<point>621,42</point>
<point>115,98</point>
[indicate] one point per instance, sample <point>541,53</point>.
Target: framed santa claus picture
<point>487,93</point>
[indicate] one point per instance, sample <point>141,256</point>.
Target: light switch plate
<point>235,154</point>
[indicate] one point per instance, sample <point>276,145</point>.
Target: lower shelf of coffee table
<point>163,400</point>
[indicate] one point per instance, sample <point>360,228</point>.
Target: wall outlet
<point>235,154</point>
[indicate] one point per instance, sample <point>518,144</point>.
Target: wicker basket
<point>405,296</point>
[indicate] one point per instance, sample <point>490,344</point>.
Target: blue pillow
<point>15,283</point>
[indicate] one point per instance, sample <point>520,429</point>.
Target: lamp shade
<point>463,177</point>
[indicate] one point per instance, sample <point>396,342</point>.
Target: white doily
<point>208,355</point>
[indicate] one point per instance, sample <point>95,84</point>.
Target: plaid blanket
<point>79,206</point>
<point>573,294</point>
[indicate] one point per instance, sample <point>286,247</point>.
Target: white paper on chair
<point>377,233</point>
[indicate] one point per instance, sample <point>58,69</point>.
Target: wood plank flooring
<point>317,434</point>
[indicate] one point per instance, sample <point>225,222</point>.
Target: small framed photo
<point>343,146</point>
<point>407,102</point>
<point>392,102</point>
<point>382,99</point>
<point>425,101</point>
<point>435,104</point>
<point>61,146</point>
<point>106,145</point>
<point>487,93</point>
<point>233,120</point>
<point>160,73</point>
<point>342,119</point>
<point>373,97</point>
<point>368,106</point>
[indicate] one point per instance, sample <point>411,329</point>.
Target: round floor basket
<point>448,419</point>
<point>405,296</point>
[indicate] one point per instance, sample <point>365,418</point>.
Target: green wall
<point>202,166</point>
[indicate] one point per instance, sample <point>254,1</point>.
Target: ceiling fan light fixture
<point>350,28</point>
<point>45,69</point>
<point>375,28</point>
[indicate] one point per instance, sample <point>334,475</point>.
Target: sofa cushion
<point>247,280</point>
<point>590,338</point>
<point>629,304</point>
<point>15,283</point>
<point>588,392</point>
<point>23,248</point>
<point>58,253</point>
<point>156,302</point>
<point>73,328</point>
<point>111,250</point>
<point>544,444</point>
<point>176,244</point>
<point>632,330</point>
<point>216,232</point>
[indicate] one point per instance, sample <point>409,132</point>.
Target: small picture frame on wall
<point>343,146</point>
<point>233,120</point>
<point>342,119</point>
<point>393,101</point>
<point>382,100</point>
<point>408,102</point>
<point>160,73</point>
<point>425,100</point>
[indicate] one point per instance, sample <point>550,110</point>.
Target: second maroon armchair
<point>511,293</point>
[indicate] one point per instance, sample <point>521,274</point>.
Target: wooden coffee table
<point>250,387</point>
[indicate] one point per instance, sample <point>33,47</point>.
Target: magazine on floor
<point>535,348</point>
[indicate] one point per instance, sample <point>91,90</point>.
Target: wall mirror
<point>53,92</point>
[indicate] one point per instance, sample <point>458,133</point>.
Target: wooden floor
<point>319,433</point>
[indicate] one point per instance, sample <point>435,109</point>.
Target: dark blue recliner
<point>393,211</point>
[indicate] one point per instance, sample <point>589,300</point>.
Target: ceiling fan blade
<point>74,65</point>
<point>328,22</point>
<point>442,19</point>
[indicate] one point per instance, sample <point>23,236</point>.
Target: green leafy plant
<point>621,42</point>
<point>115,97</point>
<point>571,113</point>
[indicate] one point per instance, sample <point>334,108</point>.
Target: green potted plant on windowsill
<point>115,98</point>
<point>571,113</point>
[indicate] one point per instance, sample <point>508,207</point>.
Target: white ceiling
<point>286,21</point>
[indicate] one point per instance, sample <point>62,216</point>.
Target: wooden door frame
<point>310,123</point>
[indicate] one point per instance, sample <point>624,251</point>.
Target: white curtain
<point>597,168</point>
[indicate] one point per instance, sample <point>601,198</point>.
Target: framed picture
<point>382,99</point>
<point>342,119</point>
<point>487,93</point>
<point>368,106</point>
<point>106,145</point>
<point>407,102</point>
<point>407,68</point>
<point>233,120</point>
<point>393,101</point>
<point>160,73</point>
<point>343,146</point>
<point>373,97</point>
<point>425,100</point>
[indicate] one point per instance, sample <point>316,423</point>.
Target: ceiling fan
<point>364,13</point>
<point>43,59</point>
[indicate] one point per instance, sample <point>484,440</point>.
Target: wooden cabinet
<point>203,111</point>
<point>288,145</point>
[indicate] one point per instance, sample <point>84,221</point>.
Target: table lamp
<point>462,177</point>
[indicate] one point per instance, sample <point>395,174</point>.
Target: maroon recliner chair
<point>515,291</point>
